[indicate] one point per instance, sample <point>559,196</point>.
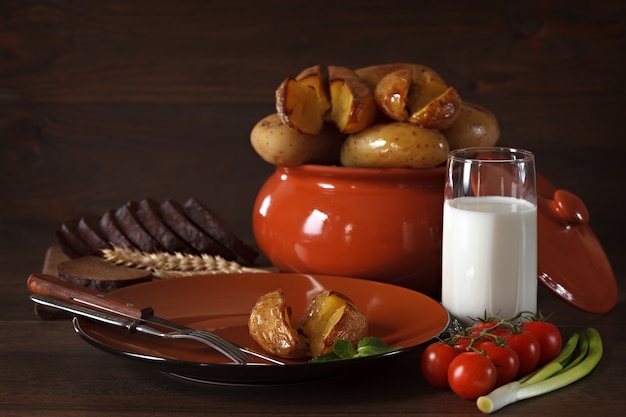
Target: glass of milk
<point>489,247</point>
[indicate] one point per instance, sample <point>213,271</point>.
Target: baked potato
<point>302,103</point>
<point>417,96</point>
<point>353,107</point>
<point>475,126</point>
<point>372,74</point>
<point>395,145</point>
<point>278,144</point>
<point>271,327</point>
<point>329,317</point>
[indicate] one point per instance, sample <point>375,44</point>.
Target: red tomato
<point>549,338</point>
<point>471,375</point>
<point>435,362</point>
<point>497,328</point>
<point>461,343</point>
<point>504,358</point>
<point>527,347</point>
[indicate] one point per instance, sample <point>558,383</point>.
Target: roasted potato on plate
<point>329,317</point>
<point>271,327</point>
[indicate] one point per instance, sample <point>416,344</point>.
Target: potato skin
<point>475,126</point>
<point>270,326</point>
<point>395,145</point>
<point>278,144</point>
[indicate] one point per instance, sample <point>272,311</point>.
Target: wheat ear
<point>170,265</point>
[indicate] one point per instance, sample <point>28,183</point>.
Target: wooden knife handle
<point>44,284</point>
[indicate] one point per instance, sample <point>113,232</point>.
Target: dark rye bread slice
<point>70,241</point>
<point>175,217</point>
<point>94,272</point>
<point>89,231</point>
<point>112,232</point>
<point>149,215</point>
<point>214,226</point>
<point>134,230</point>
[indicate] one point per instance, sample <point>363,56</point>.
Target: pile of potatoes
<point>399,115</point>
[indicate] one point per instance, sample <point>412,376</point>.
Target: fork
<point>228,349</point>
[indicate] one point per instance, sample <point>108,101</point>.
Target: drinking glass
<point>489,242</point>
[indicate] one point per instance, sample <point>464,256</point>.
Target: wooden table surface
<point>102,102</point>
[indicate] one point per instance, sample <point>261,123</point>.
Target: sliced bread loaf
<point>150,217</point>
<point>134,230</point>
<point>175,217</point>
<point>112,232</point>
<point>214,226</point>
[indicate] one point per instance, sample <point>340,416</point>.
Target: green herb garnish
<point>343,349</point>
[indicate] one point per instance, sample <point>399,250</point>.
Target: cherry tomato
<point>527,347</point>
<point>490,329</point>
<point>484,325</point>
<point>549,338</point>
<point>435,362</point>
<point>504,358</point>
<point>461,343</point>
<point>471,375</point>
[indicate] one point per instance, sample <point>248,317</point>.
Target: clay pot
<point>378,224</point>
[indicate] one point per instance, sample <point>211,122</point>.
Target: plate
<point>221,303</point>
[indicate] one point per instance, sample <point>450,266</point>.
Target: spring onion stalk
<point>563,370</point>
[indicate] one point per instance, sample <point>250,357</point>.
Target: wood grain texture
<point>102,102</point>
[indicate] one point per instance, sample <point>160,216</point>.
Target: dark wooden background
<point>102,102</point>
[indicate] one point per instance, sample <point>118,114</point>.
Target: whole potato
<point>395,145</point>
<point>279,144</point>
<point>475,126</point>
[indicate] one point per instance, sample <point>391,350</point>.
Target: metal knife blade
<point>49,285</point>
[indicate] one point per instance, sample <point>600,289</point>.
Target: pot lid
<point>571,261</point>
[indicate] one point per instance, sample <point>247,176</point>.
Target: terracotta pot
<point>379,224</point>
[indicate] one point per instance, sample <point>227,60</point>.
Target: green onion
<point>563,370</point>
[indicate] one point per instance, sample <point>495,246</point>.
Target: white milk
<point>489,256</point>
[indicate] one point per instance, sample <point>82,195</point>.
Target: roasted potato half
<point>418,96</point>
<point>395,145</point>
<point>374,73</point>
<point>302,103</point>
<point>353,107</point>
<point>475,126</point>
<point>278,144</point>
<point>271,327</point>
<point>329,317</point>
